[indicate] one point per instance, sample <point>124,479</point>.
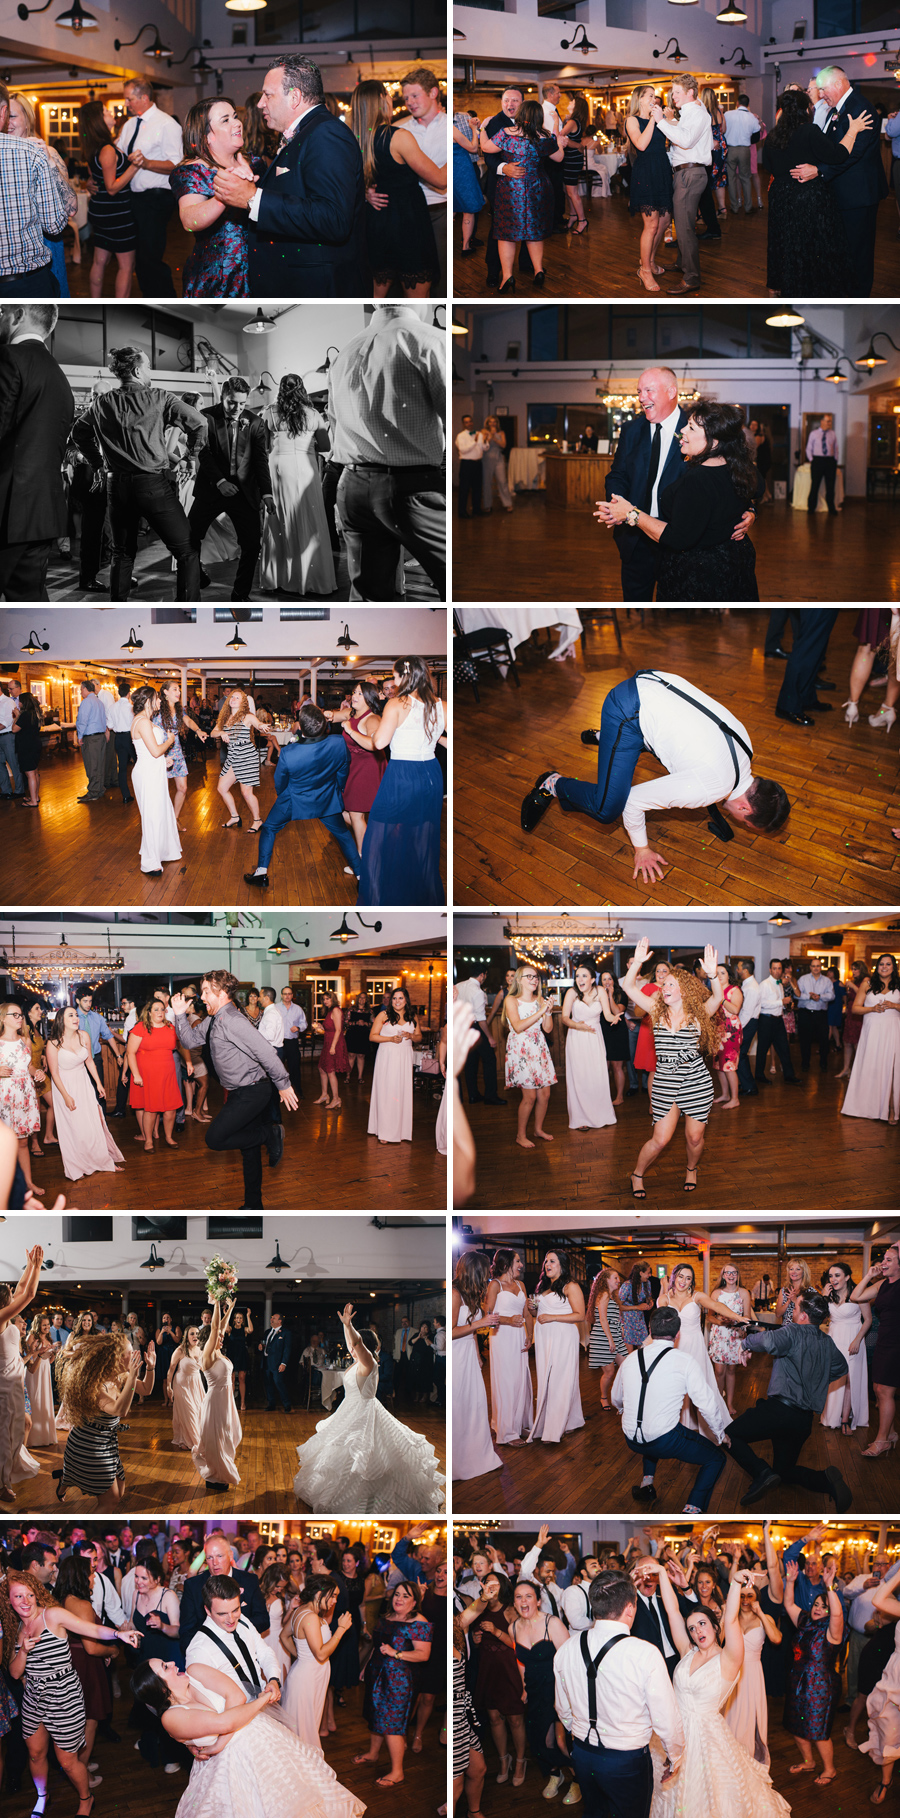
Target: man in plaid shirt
<point>33,201</point>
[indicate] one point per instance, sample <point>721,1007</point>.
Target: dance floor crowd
<point>227,1660</point>
<point>668,1368</point>
<point>727,1655</point>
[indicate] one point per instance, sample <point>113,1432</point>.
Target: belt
<point>11,277</point>
<point>390,467</point>
<point>693,164</point>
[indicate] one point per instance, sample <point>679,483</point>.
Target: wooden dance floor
<point>541,553</point>
<point>856,1777</point>
<point>594,1468</point>
<point>835,848</point>
<point>330,1163</point>
<point>83,853</point>
<point>756,1157</point>
<point>603,261</point>
<point>132,1789</point>
<point>157,1478</point>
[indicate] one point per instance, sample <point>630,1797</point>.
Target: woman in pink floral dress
<point>18,1099</point>
<point>529,1020</point>
<point>725,1341</point>
<point>727,1021</point>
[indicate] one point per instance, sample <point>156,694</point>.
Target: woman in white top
<point>559,1316</point>
<point>679,1292</point>
<point>473,1448</point>
<point>401,851</point>
<point>587,1077</point>
<point>512,1398</point>
<point>874,1089</point>
<point>847,1404</point>
<point>150,782</point>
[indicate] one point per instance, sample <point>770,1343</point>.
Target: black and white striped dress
<point>465,1734</point>
<point>681,1077</point>
<point>243,756</point>
<point>53,1695</point>
<point>600,1356</point>
<point>91,1461</point>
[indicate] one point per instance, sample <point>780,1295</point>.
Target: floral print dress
<point>391,1685</point>
<point>528,1062</point>
<point>18,1099</point>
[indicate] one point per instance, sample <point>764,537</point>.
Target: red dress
<point>366,771</point>
<point>156,1063</point>
<point>645,1052</point>
<point>339,1062</point>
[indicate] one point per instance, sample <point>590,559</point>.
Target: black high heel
<point>236,822</point>
<point>690,1186</point>
<point>506,289</point>
<point>637,1192</point>
<point>539,277</point>
<point>60,1486</point>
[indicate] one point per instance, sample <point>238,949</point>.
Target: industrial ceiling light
<point>678,55</point>
<point>584,45</point>
<point>872,358</point>
<point>277,947</point>
<point>133,643</point>
<point>278,1263</point>
<point>837,377</point>
<point>34,645</point>
<point>156,49</point>
<point>153,1261</point>
<point>236,643</point>
<point>788,317</point>
<point>731,14</point>
<point>244,6</point>
<point>345,641</point>
<point>779,919</point>
<point>75,19</point>
<point>742,61</point>
<point>261,324</point>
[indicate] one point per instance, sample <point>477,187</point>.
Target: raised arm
<point>710,965</point>
<point>212,1344</point>
<point>680,1635</point>
<point>733,1650</point>
<point>883,1595</point>
<point>776,1580</point>
<point>638,962</point>
<point>24,1291</point>
<point>365,1362</point>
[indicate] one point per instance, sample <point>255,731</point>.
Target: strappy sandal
<point>690,1186</point>
<point>637,1192</point>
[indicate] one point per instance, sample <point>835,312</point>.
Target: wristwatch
<point>631,517</point>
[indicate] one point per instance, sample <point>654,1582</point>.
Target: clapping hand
<point>710,961</point>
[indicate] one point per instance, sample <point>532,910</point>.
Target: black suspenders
<point>717,825</point>
<point>645,1378</point>
<point>592,1668</point>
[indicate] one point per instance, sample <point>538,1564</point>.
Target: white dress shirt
<point>255,200</point>
<point>822,986</point>
<point>271,1025</point>
<point>434,140</point>
<point>470,445</point>
<point>577,1607</point>
<point>821,112</point>
<point>550,1597</point>
<point>771,997</point>
<point>107,1605</point>
<point>203,1652</point>
<point>552,117</point>
<point>676,1377</point>
<point>120,714</point>
<point>740,125</point>
<point>472,993</point>
<point>862,1609</point>
<point>655,1605</point>
<point>689,746</point>
<point>293,1021</point>
<point>634,1692</point>
<point>667,429</point>
<point>6,713</point>
<point>750,986</point>
<point>691,136</point>
<point>158,137</point>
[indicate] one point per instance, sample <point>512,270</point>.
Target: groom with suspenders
<point>649,1391</point>
<point>612,1693</point>
<point>705,749</point>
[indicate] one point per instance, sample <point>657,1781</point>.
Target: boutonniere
<point>282,170</point>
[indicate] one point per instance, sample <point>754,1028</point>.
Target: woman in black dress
<point>399,236</point>
<point>109,211</point>
<point>807,246</point>
<point>28,748</point>
<point>651,182</point>
<point>237,1351</point>
<point>578,119</point>
<point>359,1021</point>
<point>421,1363</point>
<point>700,511</point>
<point>615,1035</point>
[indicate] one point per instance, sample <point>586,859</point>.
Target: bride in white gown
<point>150,782</point>
<point>257,1767</point>
<point>361,1457</point>
<point>679,1291</point>
<point>713,1757</point>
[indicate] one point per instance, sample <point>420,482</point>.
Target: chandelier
<point>61,965</point>
<point>547,941</point>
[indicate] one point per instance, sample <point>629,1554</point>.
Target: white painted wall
<point>86,633</point>
<point>181,949</point>
<point>471,933</point>
<point>519,33</point>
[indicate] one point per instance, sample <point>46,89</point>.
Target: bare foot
<point>523,1142</point>
<point>389,1780</point>
<point>731,1104</point>
<point>360,1758</point>
<point>149,1148</point>
<point>170,1144</point>
<point>720,1101</point>
<point>543,1135</point>
<point>416,1745</point>
<point>618,1101</point>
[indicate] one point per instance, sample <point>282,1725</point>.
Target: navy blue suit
<point>192,1610</point>
<point>276,1351</point>
<point>628,476</point>
<point>309,778</point>
<point>307,239</point>
<point>858,185</point>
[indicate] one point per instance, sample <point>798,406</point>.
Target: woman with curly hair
<point>681,1014</point>
<point>53,1704</point>
<point>98,1380</point>
<point>874,1089</point>
<point>807,239</point>
<point>700,510</point>
<point>473,1446</point>
<point>235,726</point>
<point>296,553</point>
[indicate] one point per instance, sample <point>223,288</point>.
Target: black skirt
<point>727,572</point>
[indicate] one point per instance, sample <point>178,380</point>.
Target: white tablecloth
<point>803,477</point>
<point>331,1381</point>
<point>525,467</point>
<point>605,164</point>
<point>520,621</point>
<point>282,733</point>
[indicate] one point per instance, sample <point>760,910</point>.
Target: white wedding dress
<point>716,1773</point>
<point>264,1771</point>
<point>361,1458</point>
<point>844,1322</point>
<point>159,830</point>
<point>691,1344</point>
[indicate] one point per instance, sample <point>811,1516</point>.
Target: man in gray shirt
<point>248,1066</point>
<point>807,1364</point>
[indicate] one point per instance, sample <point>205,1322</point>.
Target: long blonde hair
<point>515,990</point>
<point>84,1368</point>
<point>730,1264</point>
<point>634,105</point>
<point>693,996</point>
<point>226,717</point>
<point>711,102</point>
<point>32,116</point>
<point>366,115</point>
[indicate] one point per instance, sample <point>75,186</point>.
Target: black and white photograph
<point>157,453</point>
<point>248,1363</point>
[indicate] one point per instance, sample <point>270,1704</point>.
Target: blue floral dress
<point>392,1685</point>
<point>523,206</point>
<point>175,755</point>
<point>814,1685</point>
<point>218,265</point>
<point>636,1324</point>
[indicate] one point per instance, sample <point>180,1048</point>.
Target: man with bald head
<point>510,102</point>
<point>858,182</point>
<point>219,1555</point>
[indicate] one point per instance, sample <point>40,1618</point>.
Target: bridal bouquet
<point>221,1278</point>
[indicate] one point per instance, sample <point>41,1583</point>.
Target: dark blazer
<point>312,776</point>
<point>193,1610</point>
<point>215,460</point>
<point>37,410</point>
<point>276,1349</point>
<point>647,1628</point>
<point>860,181</point>
<point>630,470</point>
<point>308,238</point>
<point>491,159</point>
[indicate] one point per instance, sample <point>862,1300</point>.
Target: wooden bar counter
<point>576,480</point>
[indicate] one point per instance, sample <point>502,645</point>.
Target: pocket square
<point>282,170</point>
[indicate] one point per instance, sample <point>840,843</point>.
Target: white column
<point>313,676</point>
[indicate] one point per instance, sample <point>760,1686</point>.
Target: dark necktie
<point>655,446</point>
<point>130,146</point>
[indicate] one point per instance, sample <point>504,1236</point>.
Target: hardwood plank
<point>594,1468</point>
<point>842,780</point>
<point>48,852</point>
